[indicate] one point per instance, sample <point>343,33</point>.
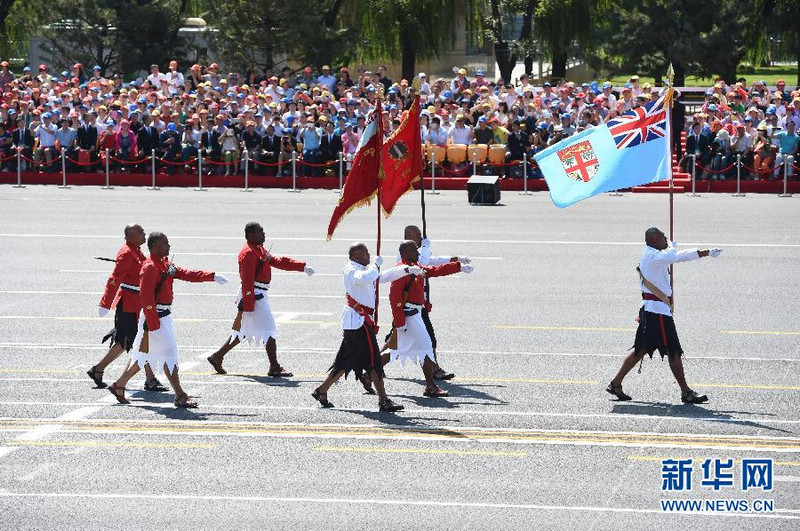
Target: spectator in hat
<point>44,148</point>
<point>460,83</point>
<point>6,76</point>
<point>6,147</point>
<point>762,149</point>
<point>43,76</point>
<point>190,143</point>
<point>311,138</point>
<point>482,133</point>
<point>125,144</point>
<point>170,141</point>
<point>742,145</point>
<point>326,79</point>
<point>787,143</point>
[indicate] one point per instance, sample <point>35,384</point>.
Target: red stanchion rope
<point>215,163</point>
<point>140,161</point>
<point>79,163</point>
<point>189,162</point>
<point>723,170</point>
<point>53,161</point>
<point>315,165</point>
<point>512,163</point>
<point>753,170</point>
<point>10,157</point>
<point>270,163</point>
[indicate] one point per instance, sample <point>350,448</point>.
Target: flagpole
<point>671,95</point>
<point>379,118</point>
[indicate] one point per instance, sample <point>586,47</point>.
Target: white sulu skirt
<point>257,326</point>
<point>413,342</point>
<point>162,346</point>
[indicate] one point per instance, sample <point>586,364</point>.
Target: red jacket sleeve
<point>247,273</point>
<point>450,268</point>
<point>147,288</point>
<point>191,275</point>
<point>396,301</point>
<point>124,264</point>
<point>285,263</point>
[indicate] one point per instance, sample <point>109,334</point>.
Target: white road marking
<point>780,514</point>
<point>5,450</point>
<point>44,467</point>
<point>455,412</point>
<point>83,412</point>
<point>38,432</point>
<point>332,348</point>
<point>274,273</point>
<point>787,479</point>
<point>178,294</point>
<point>387,240</point>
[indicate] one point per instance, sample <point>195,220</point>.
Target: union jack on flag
<point>640,125</point>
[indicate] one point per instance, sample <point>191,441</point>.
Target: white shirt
<point>654,265</point>
<point>460,135</point>
<point>359,283</point>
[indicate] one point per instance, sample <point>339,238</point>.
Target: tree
<point>409,29</point>
<point>507,51</point>
<point>562,25</point>
<point>17,21</point>
<point>776,17</point>
<point>699,39</point>
<point>254,32</point>
<point>114,34</point>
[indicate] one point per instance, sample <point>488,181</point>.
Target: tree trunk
<point>680,74</point>
<point>528,64</point>
<point>409,59</point>
<point>559,66</point>
<point>505,61</point>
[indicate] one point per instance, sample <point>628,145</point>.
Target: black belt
<point>258,297</point>
<point>408,312</point>
<point>161,315</point>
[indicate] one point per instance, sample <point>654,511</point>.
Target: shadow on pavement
<point>691,411</point>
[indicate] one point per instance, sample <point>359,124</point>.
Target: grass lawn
<point>770,74</point>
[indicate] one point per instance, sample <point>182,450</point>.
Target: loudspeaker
<point>483,189</point>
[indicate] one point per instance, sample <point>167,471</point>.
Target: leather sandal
<point>119,393</point>
<point>616,390</point>
<point>435,392</point>
<point>387,406</point>
<point>280,372</point>
<point>183,401</point>
<point>97,377</point>
<point>322,398</point>
<point>217,365</point>
<point>366,381</point>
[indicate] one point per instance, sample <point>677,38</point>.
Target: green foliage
<point>121,35</point>
<point>388,27</point>
<point>699,38</point>
<point>18,20</point>
<point>255,32</point>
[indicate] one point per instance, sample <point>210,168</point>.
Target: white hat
<point>422,74</point>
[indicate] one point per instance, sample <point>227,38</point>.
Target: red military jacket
<point>153,270</point>
<point>126,271</point>
<point>249,257</point>
<point>416,293</point>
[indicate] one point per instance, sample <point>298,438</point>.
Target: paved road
<point>528,440</point>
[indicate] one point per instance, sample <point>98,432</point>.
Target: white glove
<point>465,259</point>
<point>308,270</point>
<point>414,270</point>
<point>219,279</point>
<point>467,268</point>
<point>102,312</point>
<point>713,253</point>
<point>378,261</point>
<point>425,242</point>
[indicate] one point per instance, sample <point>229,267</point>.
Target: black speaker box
<point>483,189</point>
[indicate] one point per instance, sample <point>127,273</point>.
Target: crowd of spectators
<point>320,116</point>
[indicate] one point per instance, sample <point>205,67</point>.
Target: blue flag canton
<point>640,125</point>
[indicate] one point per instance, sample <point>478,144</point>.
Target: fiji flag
<point>630,150</point>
